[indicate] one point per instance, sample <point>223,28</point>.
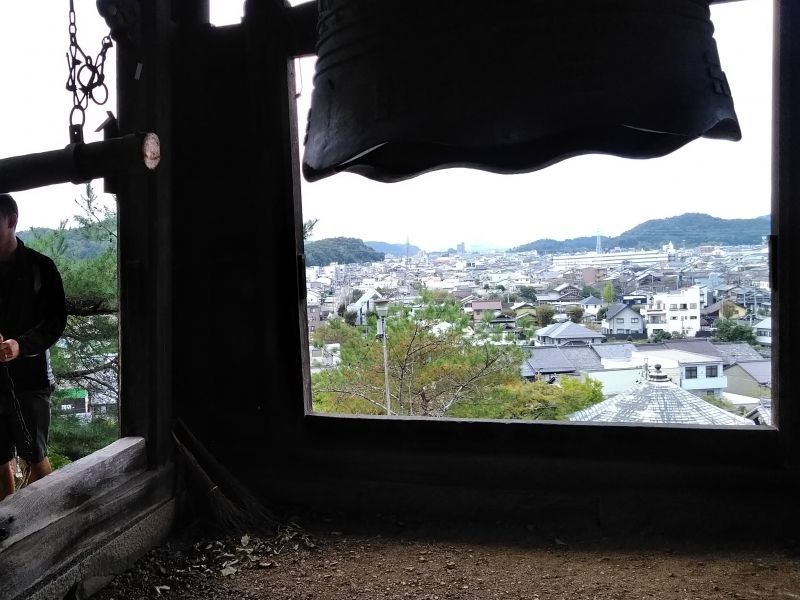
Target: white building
<point>620,319</point>
<point>633,257</point>
<point>677,312</point>
<point>764,331</point>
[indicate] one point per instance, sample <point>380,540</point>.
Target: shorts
<point>24,432</point>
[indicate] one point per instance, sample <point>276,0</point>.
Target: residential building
<point>591,305</point>
<point>620,319</point>
<point>314,316</point>
<point>676,312</point>
<point>751,378</point>
<point>544,363</point>
<point>763,331</point>
<point>700,374</point>
<point>567,334</point>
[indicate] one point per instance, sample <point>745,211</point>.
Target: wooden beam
<point>77,163</point>
<point>60,493</point>
<point>32,560</point>
<point>61,519</point>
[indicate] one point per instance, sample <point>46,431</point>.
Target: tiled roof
<point>764,324</point>
<point>546,359</point>
<point>761,414</point>
<point>591,301</point>
<point>584,358</point>
<point>614,310</point>
<point>487,304</point>
<point>568,330</point>
<point>734,352</point>
<point>658,402</point>
<point>696,345</point>
<point>760,370</point>
<point>614,350</point>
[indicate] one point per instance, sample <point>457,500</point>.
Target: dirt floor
<point>389,559</point>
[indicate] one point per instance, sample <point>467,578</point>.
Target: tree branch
<point>90,371</point>
<point>85,307</point>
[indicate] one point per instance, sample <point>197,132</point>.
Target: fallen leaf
<point>227,571</point>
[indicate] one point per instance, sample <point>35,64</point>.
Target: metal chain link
<point>86,79</point>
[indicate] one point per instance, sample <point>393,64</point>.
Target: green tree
<point>534,401</point>
<point>440,307</point>
<point>728,310</point>
<point>333,331</point>
<point>575,313</point>
<point>601,313</point>
<point>589,290</point>
<point>86,356</point>
<point>608,293</point>
<point>660,336</point>
<point>728,330</point>
<point>430,371</point>
<point>308,228</point>
<point>527,293</point>
<point>350,317</point>
<point>544,314</point>
<point>73,438</point>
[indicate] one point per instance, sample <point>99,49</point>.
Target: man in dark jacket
<point>32,318</point>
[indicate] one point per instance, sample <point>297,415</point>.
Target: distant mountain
<point>690,229</point>
<point>393,249</point>
<point>341,250</point>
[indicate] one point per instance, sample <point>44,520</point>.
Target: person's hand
<point>9,350</point>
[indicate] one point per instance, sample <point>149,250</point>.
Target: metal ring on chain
<point>77,109</point>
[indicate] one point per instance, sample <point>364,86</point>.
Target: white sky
<point>580,196</point>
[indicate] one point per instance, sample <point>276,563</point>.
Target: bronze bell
<point>509,86</point>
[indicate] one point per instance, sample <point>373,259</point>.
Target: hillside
<point>77,245</point>
<point>690,229</point>
<point>393,249</point>
<point>341,250</point>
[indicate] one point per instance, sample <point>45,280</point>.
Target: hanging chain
<point>86,79</point>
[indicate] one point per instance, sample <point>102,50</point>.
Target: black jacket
<point>33,312</point>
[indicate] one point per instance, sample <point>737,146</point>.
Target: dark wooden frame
<point>323,450</point>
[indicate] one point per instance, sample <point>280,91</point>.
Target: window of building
<point>634,320</point>
<point>690,372</point>
<point>711,371</point>
<point>683,307</point>
<point>620,320</point>
<point>693,305</point>
<point>673,307</point>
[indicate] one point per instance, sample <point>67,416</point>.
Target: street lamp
<point>382,309</point>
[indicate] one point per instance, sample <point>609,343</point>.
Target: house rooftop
<point>568,330</point>
<point>760,370</point>
<point>658,402</point>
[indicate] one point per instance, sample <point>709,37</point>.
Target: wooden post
<point>145,221</point>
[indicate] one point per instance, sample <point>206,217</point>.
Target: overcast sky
<point>580,196</point>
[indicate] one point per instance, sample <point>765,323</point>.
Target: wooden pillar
<point>786,221</point>
<point>145,220</point>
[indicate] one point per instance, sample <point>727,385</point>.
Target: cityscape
<point>675,335</point>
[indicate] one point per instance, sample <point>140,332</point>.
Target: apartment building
<point>677,312</point>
